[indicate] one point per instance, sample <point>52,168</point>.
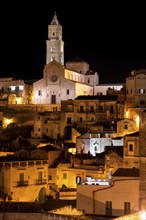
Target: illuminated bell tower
<point>55,45</point>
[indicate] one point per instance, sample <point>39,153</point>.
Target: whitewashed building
<point>95,143</point>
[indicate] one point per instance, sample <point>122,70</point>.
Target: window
<point>95,148</point>
<point>21,177</point>
<point>126,126</point>
<point>108,208</point>
<point>17,88</point>
<point>40,175</point>
<point>111,109</point>
<point>9,88</point>
<point>80,119</point>
<point>53,99</point>
<point>69,120</point>
<point>92,108</point>
<point>78,179</point>
<point>67,91</point>
<point>126,207</point>
<point>142,102</point>
<point>81,108</point>
<point>49,177</point>
<point>64,175</point>
<point>52,49</point>
<point>88,80</point>
<point>130,147</point>
<point>141,90</point>
<point>39,93</point>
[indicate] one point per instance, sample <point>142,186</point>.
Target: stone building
<point>136,89</point>
<point>48,124</point>
<point>135,94</point>
<point>117,199</point>
<point>83,114</point>
<point>16,91</point>
<point>95,143</point>
<point>131,150</point>
<point>25,176</point>
<point>62,82</point>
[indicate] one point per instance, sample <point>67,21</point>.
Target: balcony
<point>22,183</point>
<point>41,181</point>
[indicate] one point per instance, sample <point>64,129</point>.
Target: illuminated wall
<point>131,150</point>
<point>48,124</point>
<point>119,194</point>
<point>102,88</point>
<point>126,126</point>
<point>135,89</point>
<point>67,175</point>
<point>21,180</point>
<point>82,89</point>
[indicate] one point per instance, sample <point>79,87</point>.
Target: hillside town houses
<point>72,138</point>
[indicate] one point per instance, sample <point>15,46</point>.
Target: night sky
<point>109,35</point>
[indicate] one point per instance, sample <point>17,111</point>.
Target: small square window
<point>64,175</point>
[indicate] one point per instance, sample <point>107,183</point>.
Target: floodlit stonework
<point>62,82</point>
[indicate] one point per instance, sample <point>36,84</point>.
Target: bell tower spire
<point>55,45</point>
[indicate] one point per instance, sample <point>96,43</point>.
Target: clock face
<point>54,78</point>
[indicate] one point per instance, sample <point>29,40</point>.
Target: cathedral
<point>62,81</point>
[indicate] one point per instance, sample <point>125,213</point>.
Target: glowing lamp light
<point>127,114</point>
<point>12,88</point>
<point>21,87</point>
<point>137,121</point>
<point>143,215</point>
<point>19,100</point>
<point>72,150</point>
<point>7,121</point>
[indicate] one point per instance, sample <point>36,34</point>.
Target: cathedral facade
<point>62,82</point>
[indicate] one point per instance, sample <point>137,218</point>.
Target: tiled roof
<point>97,97</point>
<point>49,148</point>
<point>127,172</point>
<point>133,134</point>
<point>70,145</point>
<point>84,156</point>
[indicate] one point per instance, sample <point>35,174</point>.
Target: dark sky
<point>109,35</point>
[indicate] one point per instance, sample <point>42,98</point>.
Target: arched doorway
<point>42,195</point>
